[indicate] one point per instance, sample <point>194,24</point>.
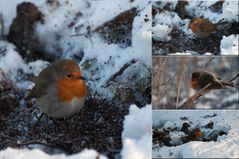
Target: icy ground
<point>225,146</point>
<point>79,30</point>
<point>173,36</point>
<point>100,60</point>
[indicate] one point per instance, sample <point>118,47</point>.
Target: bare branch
<point>234,78</point>
<point>210,60</point>
<point>2,24</point>
<point>8,137</point>
<point>3,50</point>
<point>78,34</point>
<point>190,101</point>
<point>178,87</point>
<point>27,143</point>
<point>121,70</point>
<point>164,83</point>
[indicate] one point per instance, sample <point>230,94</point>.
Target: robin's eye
<point>69,75</point>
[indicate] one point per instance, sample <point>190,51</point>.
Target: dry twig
<point>121,70</point>
<point>2,24</point>
<point>210,60</point>
<point>178,87</point>
<point>27,143</point>
<point>234,78</point>
<point>190,101</point>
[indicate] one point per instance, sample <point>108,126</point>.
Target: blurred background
<point>171,86</point>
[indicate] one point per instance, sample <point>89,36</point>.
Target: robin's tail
<point>221,22</point>
<point>223,26</point>
<point>227,84</point>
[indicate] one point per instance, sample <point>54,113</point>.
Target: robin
<point>197,134</point>
<point>60,90</point>
<point>201,79</point>
<point>202,28</point>
<point>194,135</point>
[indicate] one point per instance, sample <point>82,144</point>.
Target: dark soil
<point>98,126</point>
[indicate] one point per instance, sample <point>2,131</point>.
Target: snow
<point>226,146</point>
<point>140,149</point>
<point>141,36</point>
<point>35,67</point>
<point>230,10</point>
<point>100,60</point>
<point>173,4</point>
<point>162,29</point>
<point>201,8</point>
<point>56,37</point>
<point>38,154</point>
<point>229,45</point>
<point>137,135</point>
<point>107,10</point>
<point>175,136</point>
<point>185,53</point>
<point>10,60</point>
<point>161,32</point>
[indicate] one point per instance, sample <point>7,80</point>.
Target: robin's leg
<point>35,125</point>
<point>201,95</point>
<point>38,120</point>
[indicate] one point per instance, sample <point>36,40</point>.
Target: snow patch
<point>136,136</point>
<point>229,45</point>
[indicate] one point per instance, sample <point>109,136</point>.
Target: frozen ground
<point>136,144</point>
<point>225,146</point>
<point>173,36</point>
<point>85,31</point>
<point>99,60</point>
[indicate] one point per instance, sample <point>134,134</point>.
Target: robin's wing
<point>218,78</point>
<point>35,92</point>
<point>39,89</point>
<point>207,78</point>
<point>207,26</point>
<point>217,85</point>
<point>44,80</point>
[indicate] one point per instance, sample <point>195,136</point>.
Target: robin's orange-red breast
<point>202,28</point>
<point>60,90</point>
<point>201,79</point>
<point>194,135</point>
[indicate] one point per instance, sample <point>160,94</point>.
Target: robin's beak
<point>82,78</point>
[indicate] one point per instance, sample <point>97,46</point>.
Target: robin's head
<point>63,69</point>
<point>66,75</point>
<point>196,75</point>
<point>68,70</point>
<point>193,24</point>
<point>202,27</point>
